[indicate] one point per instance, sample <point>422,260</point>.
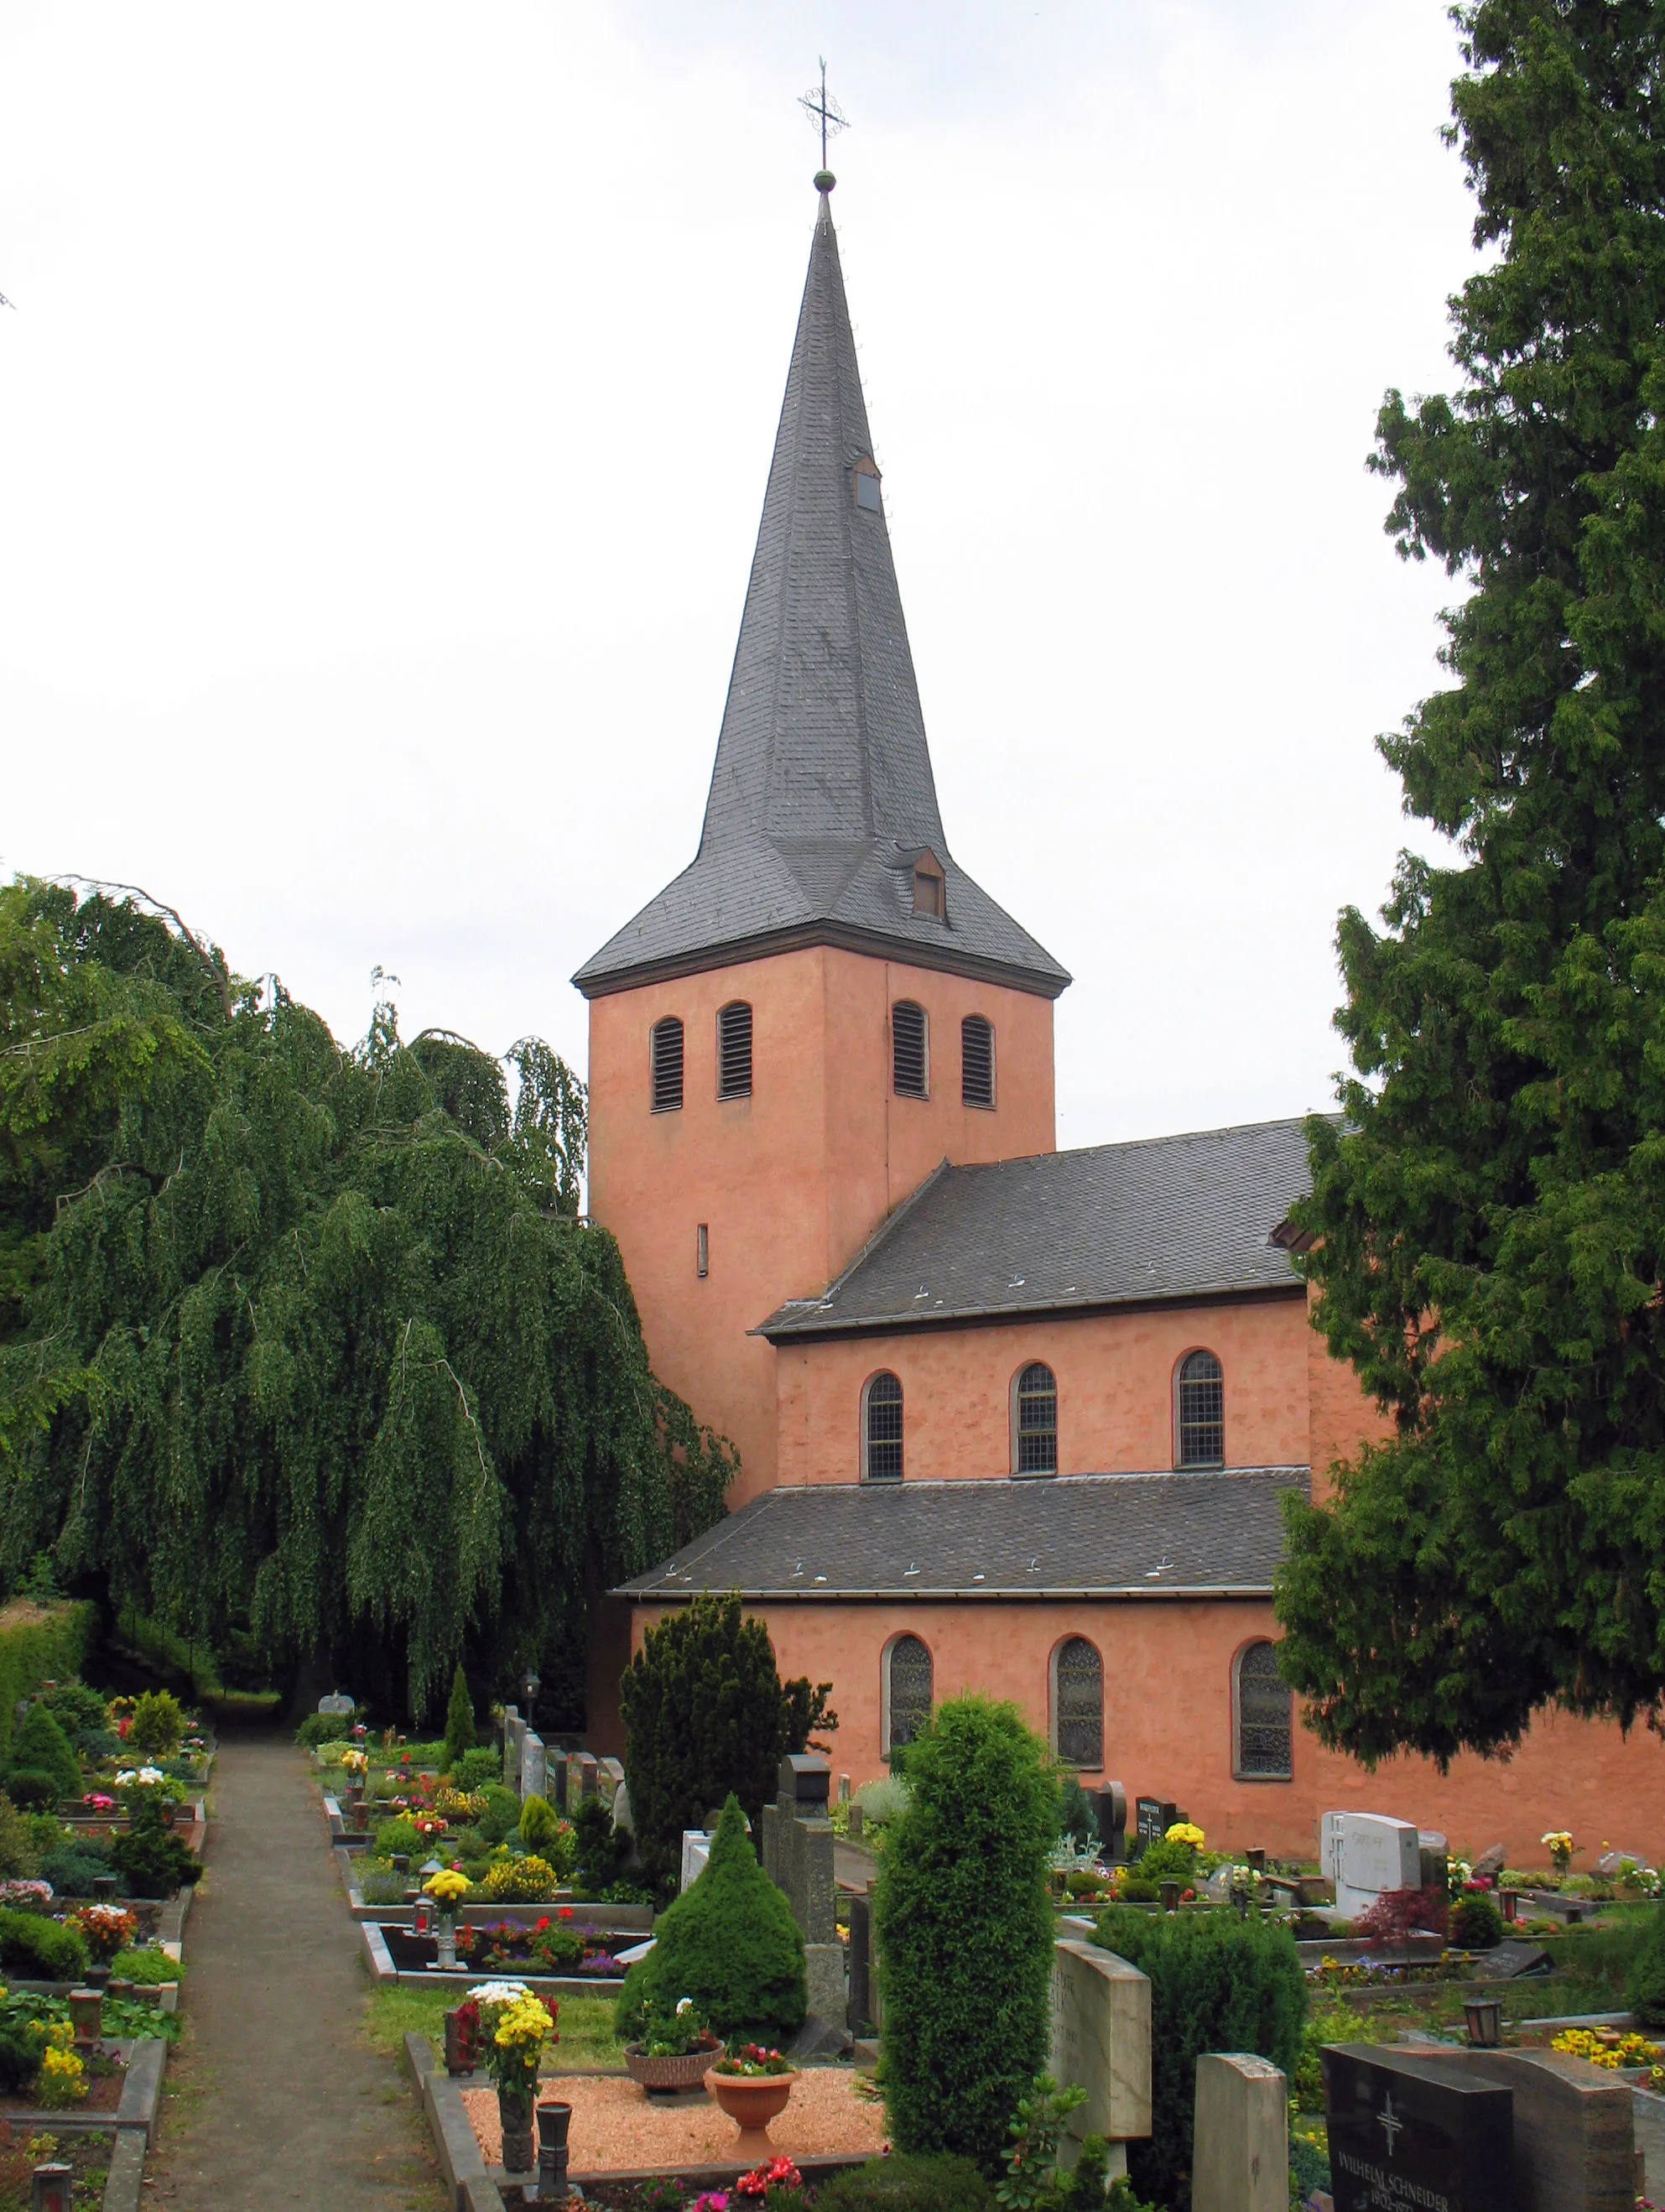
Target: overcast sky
<point>385,419</point>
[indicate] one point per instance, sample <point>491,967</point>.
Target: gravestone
<point>1365,1854</point>
<point>557,1764</point>
<point>531,1766</point>
<point>1610,1862</point>
<point>1492,1861</point>
<point>622,1819</point>
<point>1575,2138</point>
<point>580,1779</point>
<point>799,1844</point>
<point>1153,1817</point>
<point>1110,1803</point>
<point>1433,1860</point>
<point>337,1705</point>
<point>1407,2130</point>
<point>844,1789</point>
<point>863,1990</point>
<point>1240,2154</point>
<point>609,1780</point>
<point>1101,2042</point>
<point>855,1823</point>
<point>514,1734</point>
<point>1506,1962</point>
<point>696,1851</point>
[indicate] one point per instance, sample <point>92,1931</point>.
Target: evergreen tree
<point>964,1926</point>
<point>706,1713</point>
<point>459,1724</point>
<point>1488,1217</point>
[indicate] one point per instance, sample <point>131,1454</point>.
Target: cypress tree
<point>460,1735</point>
<point>1488,1215</point>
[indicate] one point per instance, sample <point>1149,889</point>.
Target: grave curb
<point>472,2189</point>
<point>386,1975</point>
<point>124,2187</point>
<point>142,2090</point>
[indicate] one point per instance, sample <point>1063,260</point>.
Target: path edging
<point>472,2189</point>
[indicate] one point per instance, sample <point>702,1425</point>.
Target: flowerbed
<point>616,2129</point>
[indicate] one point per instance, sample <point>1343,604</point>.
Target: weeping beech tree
<point>320,1350</point>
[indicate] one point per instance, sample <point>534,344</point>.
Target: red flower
<point>564,1913</point>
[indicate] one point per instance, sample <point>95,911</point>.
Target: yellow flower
<point>1186,1832</point>
<point>62,2079</point>
<point>447,1885</point>
<point>526,2022</point>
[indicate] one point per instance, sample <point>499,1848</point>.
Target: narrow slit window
<point>1201,1411</point>
<point>976,1061</point>
<point>734,1051</point>
<point>907,1686</point>
<point>1038,1420</point>
<point>666,1052</point>
<point>702,1250</point>
<point>882,1429</point>
<point>1261,1716</point>
<point>1078,1705</point>
<point>907,1050</point>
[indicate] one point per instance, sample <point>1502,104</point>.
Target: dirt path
<point>277,2098</point>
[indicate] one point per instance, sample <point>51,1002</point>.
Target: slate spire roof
<point>821,796</point>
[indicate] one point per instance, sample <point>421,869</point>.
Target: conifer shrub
<point>75,1869</point>
<point>502,1813</point>
<point>539,1822</point>
<point>965,1929</point>
<point>730,1942</point>
<point>600,1848</point>
<point>40,1950</point>
<point>157,1728</point>
<point>479,1766</point>
<point>902,2184</point>
<point>706,1713</point>
<point>459,1731</point>
<point>324,1728</point>
<point>19,1858</point>
<point>1644,1980</point>
<point>41,1746</point>
<point>396,1839</point>
<point>1476,1922</point>
<point>33,1788</point>
<point>1217,1983</point>
<point>152,1860</point>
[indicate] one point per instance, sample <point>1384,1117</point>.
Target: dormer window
<point>866,486</point>
<point>930,892</point>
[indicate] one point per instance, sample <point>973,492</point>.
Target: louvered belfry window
<point>667,1066</point>
<point>734,1051</point>
<point>1263,1715</point>
<point>1038,1420</point>
<point>1078,1703</point>
<point>1201,1411</point>
<point>908,1066</point>
<point>882,1426</point>
<point>908,1690</point>
<point>976,1061</point>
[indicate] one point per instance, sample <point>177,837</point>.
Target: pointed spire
<point>821,796</point>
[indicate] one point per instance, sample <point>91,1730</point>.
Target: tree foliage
<point>356,1371</point>
<point>1488,1215</point>
<point>706,1713</point>
<point>964,1926</point>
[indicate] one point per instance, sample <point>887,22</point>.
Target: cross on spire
<point>829,117</point>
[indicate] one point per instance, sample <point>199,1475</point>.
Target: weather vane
<point>830,117</point>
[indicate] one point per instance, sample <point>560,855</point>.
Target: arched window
<point>734,1051</point>
<point>881,1429</point>
<point>1261,1716</point>
<point>909,1057</point>
<point>976,1061</point>
<point>1201,1411</point>
<point>1035,1421</point>
<point>666,1047</point>
<point>1078,1703</point>
<point>907,1691</point>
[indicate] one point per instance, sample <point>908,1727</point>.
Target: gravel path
<point>274,2096</point>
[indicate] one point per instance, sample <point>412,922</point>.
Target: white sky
<point>384,426</point>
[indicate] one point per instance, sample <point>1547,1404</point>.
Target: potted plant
<point>672,2049</point>
<point>515,2026</point>
<point>752,2085</point>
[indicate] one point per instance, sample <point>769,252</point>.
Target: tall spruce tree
<point>1487,1219</point>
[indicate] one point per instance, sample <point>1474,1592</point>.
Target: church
<point>1009,1418</point>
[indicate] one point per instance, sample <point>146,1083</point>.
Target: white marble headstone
<point>1101,2041</point>
<point>1364,1854</point>
<point>696,1851</point>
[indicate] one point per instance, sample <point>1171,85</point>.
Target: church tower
<point>824,1006</point>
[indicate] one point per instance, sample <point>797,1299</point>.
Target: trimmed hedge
<point>1644,1982</point>
<point>964,1926</point>
<point>41,1950</point>
<point>1217,1983</point>
<point>33,1653</point>
<point>906,2184</point>
<point>730,1942</point>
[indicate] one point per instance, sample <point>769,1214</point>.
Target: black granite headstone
<point>1408,2135</point>
<point>806,1779</point>
<point>1112,1810</point>
<point>1153,1817</point>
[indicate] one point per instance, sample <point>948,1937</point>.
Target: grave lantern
<point>86,2015</point>
<point>423,1923</point>
<point>103,1887</point>
<point>50,2189</point>
<point>533,1685</point>
<point>1484,2018</point>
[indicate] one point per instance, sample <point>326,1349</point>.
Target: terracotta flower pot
<point>684,2072</point>
<point>751,2102</point>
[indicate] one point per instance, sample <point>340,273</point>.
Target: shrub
<point>1165,1861</point>
<point>479,1767</point>
<point>73,1706</point>
<point>908,2185</point>
<point>539,1822</point>
<point>1476,1922</point>
<point>396,1839</point>
<point>459,1731</point>
<point>1644,1982</point>
<point>19,1859</point>
<point>32,1787</point>
<point>1076,1817</point>
<point>73,1869</point>
<point>730,1942</point>
<point>599,1849</point>
<point>1135,1890</point>
<point>40,1950</point>
<point>157,1728</point>
<point>965,1929</point>
<point>41,1746</point>
<point>528,1881</point>
<point>705,1714</point>
<point>1217,1983</point>
<point>323,1728</point>
<point>1398,1914</point>
<point>22,2045</point>
<point>152,1860</point>
<point>502,1813</point>
<point>147,1963</point>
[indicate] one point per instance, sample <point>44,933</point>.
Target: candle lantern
<point>1484,2018</point>
<point>1169,1891</point>
<point>461,2051</point>
<point>87,2015</point>
<point>424,1924</point>
<point>50,2188</point>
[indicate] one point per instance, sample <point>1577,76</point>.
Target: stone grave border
<point>635,1920</point>
<point>385,1975</point>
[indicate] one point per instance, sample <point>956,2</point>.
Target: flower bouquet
<point>1561,1848</point>
<point>515,2026</point>
<point>108,1929</point>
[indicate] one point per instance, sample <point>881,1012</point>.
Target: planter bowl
<point>751,2102</point>
<point>686,2071</point>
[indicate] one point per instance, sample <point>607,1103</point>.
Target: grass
<point>585,2025</point>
